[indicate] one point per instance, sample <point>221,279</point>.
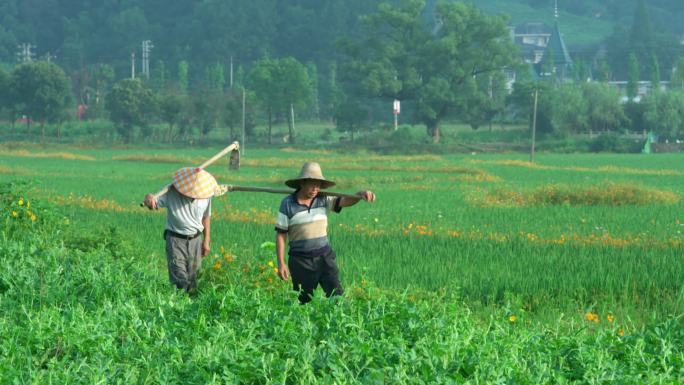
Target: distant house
<point>544,48</point>
<point>643,88</point>
<point>556,61</point>
<point>532,38</point>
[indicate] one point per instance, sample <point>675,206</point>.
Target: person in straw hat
<point>188,204</point>
<point>302,218</point>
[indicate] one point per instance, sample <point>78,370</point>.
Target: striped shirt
<point>306,226</point>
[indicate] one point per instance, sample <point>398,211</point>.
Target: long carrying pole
<point>233,146</point>
<point>534,125</point>
<point>232,188</point>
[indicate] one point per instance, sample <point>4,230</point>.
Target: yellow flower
<point>217,265</point>
<point>15,214</point>
<point>512,318</point>
<point>28,204</point>
<point>222,250</point>
<point>610,318</point>
<point>621,332</point>
<point>270,264</point>
<point>21,201</point>
<point>275,270</point>
<point>593,317</point>
<point>66,221</point>
<point>33,217</point>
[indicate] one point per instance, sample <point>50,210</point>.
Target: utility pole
<point>294,135</point>
<point>48,57</point>
<point>24,55</point>
<point>242,144</point>
<point>534,124</point>
<point>132,65</point>
<point>146,47</point>
<point>231,71</point>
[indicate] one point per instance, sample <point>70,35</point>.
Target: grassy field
<point>467,269</point>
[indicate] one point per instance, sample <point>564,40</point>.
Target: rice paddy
<point>467,269</point>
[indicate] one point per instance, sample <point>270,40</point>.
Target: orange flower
<point>593,317</point>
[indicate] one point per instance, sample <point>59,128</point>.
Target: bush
<point>612,142</point>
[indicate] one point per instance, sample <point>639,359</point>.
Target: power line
<point>25,53</point>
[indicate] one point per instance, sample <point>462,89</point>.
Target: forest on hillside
<point>80,33</point>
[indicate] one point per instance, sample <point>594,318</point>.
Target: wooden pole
<point>534,125</point>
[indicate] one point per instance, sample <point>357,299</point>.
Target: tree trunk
<point>433,130</point>
<point>270,124</point>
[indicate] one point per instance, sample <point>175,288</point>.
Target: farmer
<point>303,217</point>
<point>188,204</point>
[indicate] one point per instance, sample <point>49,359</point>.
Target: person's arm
<point>281,239</point>
<point>206,243</point>
<point>365,195</point>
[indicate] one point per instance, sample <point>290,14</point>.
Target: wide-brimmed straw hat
<point>310,171</point>
<point>194,182</point>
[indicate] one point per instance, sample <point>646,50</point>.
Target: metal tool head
<point>234,160</point>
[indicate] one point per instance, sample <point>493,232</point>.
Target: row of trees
<point>574,108</point>
<point>452,70</point>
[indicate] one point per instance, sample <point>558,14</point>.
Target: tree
<point>215,76</point>
<point>207,107</point>
<point>484,106</point>
<point>5,97</point>
<point>41,91</point>
<point>170,110</point>
<point>677,78</point>
<point>664,113</point>
<point>294,89</point>
<point>281,85</point>
<point>183,76</point>
<point>432,65</point>
<point>261,80</point>
<point>350,116</point>
<point>104,74</point>
<point>604,112</point>
<point>130,104</point>
<point>632,77</point>
<point>570,109</point>
<point>655,72</point>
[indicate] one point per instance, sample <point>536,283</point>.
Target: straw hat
<point>194,182</point>
<point>310,171</point>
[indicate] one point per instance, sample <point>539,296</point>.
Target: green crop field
<point>467,269</point>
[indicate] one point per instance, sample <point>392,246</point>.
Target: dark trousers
<point>307,273</point>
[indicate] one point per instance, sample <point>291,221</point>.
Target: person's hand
<point>150,202</point>
<point>205,249</point>
<point>283,272</point>
<point>366,195</point>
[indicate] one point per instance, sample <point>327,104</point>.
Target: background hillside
<point>78,33</point>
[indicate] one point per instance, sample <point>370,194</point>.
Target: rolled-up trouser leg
<point>183,259</point>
